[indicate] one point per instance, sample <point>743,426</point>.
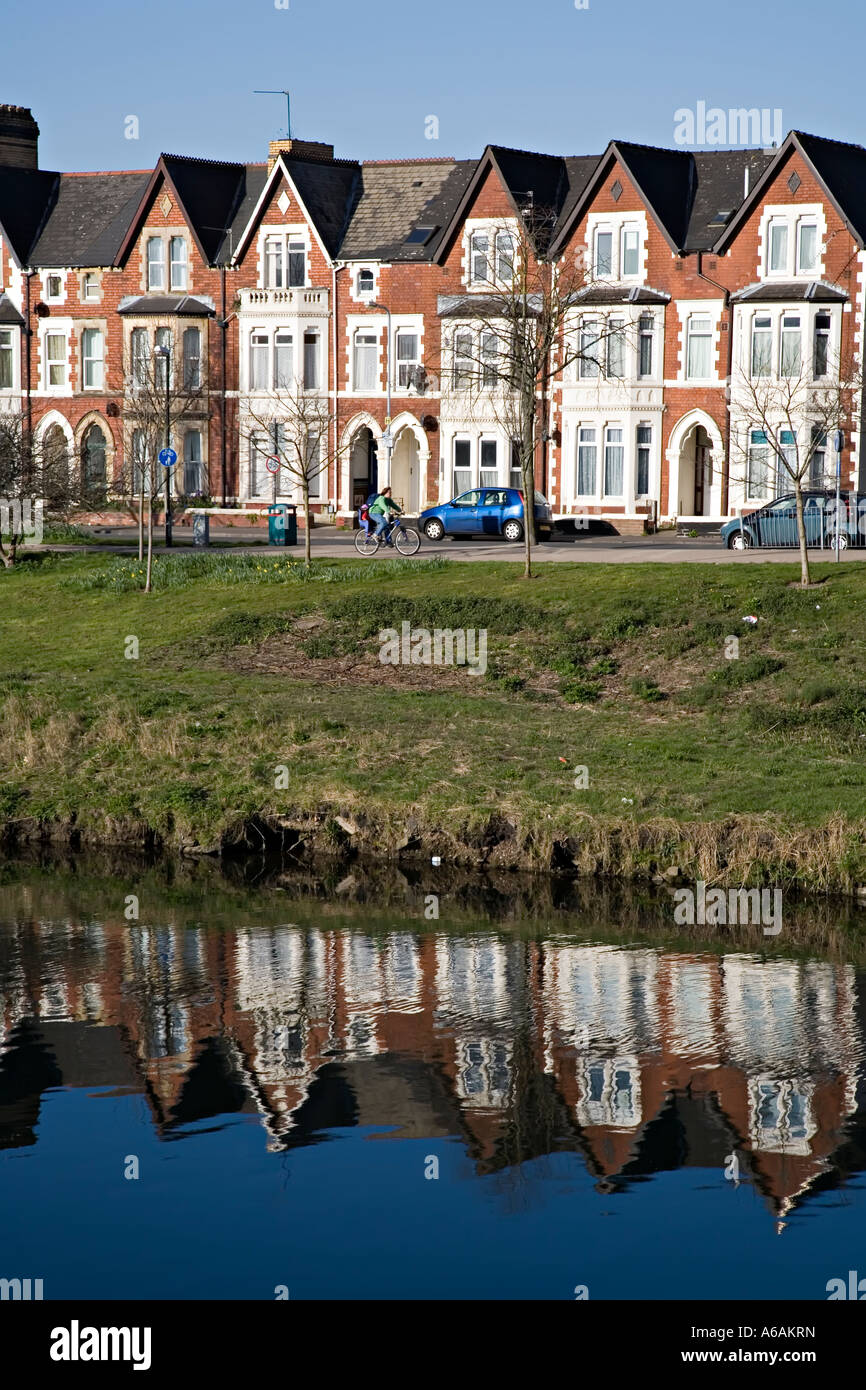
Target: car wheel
<point>740,540</point>
<point>512,531</point>
<point>433,529</point>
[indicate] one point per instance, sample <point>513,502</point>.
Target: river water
<point>371,1084</point>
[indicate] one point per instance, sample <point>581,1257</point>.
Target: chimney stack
<point>19,138</point>
<point>300,149</point>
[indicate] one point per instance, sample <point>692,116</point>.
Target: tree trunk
<point>805,576</point>
<point>141,528</point>
<point>149,543</point>
<point>527,449</point>
<point>307,551</point>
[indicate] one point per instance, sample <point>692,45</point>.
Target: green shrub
<point>647,690</point>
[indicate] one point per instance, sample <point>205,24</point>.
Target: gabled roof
<point>664,180</point>
<point>839,167</point>
<point>720,187</point>
<point>208,193</point>
<point>88,219</point>
<point>785,291</point>
<point>26,196</point>
<point>538,187</point>
<point>158,305</point>
<point>395,198</point>
<point>325,188</point>
<point>8,312</point>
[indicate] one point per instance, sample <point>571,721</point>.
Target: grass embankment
<point>732,769</point>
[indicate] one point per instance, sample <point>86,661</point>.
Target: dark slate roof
<point>775,292</point>
<point>26,196</point>
<point>540,185</point>
<point>842,168</point>
<point>464,306</point>
<point>394,198</point>
<point>211,191</point>
<point>601,293</point>
<point>88,220</point>
<point>255,176</point>
<point>666,179</point>
<point>579,169</point>
<point>328,192</point>
<point>719,186</point>
<point>181,305</point>
<point>8,312</point>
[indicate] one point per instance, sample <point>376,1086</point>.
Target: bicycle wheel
<point>406,540</point>
<point>364,544</point>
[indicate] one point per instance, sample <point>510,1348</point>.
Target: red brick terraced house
<point>330,276</point>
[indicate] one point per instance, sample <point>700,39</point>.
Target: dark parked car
<point>486,511</point>
<point>775,524</point>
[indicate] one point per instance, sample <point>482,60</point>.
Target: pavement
<point>329,542</point>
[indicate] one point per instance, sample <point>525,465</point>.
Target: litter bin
<point>201,530</point>
<point>282,524</point>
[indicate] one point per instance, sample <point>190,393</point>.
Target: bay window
<point>821,356</point>
<point>489,475</point>
<point>515,477</point>
<point>193,472</point>
<point>274,262</point>
<point>588,361</point>
<point>139,347</point>
<point>461,370</point>
<point>758,464</point>
<point>762,345</point>
<point>313,466</point>
<point>786,471</point>
<point>613,461</point>
<point>818,477</point>
<point>504,258</point>
<point>163,340</point>
<point>616,348</point>
<point>6,359</point>
<point>259,351</point>
<point>311,360</point>
<point>489,358</point>
<point>587,451</point>
<point>191,359</point>
<point>646,332</point>
<point>297,264</point>
<point>284,360</point>
<point>644,445</point>
<point>462,466</point>
<point>140,470</point>
<point>789,347</point>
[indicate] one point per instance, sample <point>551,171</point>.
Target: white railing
<point>295,300</point>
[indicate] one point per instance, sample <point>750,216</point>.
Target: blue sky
<point>538,74</point>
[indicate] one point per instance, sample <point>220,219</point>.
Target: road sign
<point>272,463</point>
<point>168,458</point>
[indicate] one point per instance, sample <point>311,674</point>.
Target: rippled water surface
<point>324,1085</point>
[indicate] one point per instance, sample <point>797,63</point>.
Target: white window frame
<point>259,338</point>
<point>88,279</point>
<point>150,264</point>
<point>585,427</point>
<point>370,347</point>
<point>91,361</point>
<point>698,315</point>
<point>604,229</point>
<point>608,443</point>
<point>180,283</point>
<point>8,338</point>
<point>626,229</point>
<point>405,366</point>
<point>56,388</point>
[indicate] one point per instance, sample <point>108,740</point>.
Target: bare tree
<point>511,343</point>
<point>163,390</point>
<point>37,481</point>
<point>294,427</point>
<point>795,419</point>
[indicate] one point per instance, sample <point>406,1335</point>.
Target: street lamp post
<point>389,440</point>
<point>165,354</point>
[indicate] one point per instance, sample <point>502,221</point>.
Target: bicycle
<point>406,541</point>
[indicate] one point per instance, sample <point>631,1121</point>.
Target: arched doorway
<point>94,468</point>
<point>55,450</point>
<point>696,457</point>
<point>406,471</point>
<point>363,466</point>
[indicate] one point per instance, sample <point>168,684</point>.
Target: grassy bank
<point>743,768</point>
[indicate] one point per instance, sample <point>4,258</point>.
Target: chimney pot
<point>19,138</point>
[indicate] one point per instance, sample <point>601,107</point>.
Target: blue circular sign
<point>168,458</point>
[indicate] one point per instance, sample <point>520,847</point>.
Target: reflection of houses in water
<point>641,1060</point>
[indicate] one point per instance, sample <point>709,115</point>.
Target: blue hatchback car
<point>485,511</point>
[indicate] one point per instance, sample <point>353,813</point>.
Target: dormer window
<point>285,263</point>
<point>366,282</point>
<point>793,245</point>
<point>504,258</point>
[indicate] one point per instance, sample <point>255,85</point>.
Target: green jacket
<point>383,505</point>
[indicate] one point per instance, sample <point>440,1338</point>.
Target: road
<point>330,543</point>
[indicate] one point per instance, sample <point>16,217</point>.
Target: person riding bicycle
<point>383,511</point>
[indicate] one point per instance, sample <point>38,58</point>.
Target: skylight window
<point>419,236</point>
